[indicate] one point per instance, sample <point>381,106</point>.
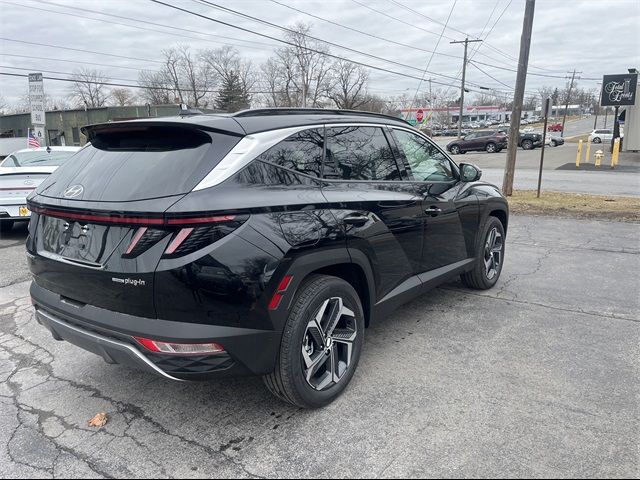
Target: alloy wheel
<point>493,253</point>
<point>328,343</point>
<point>491,148</point>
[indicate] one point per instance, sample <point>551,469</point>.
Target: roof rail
<point>258,112</point>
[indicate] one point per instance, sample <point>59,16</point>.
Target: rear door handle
<point>355,219</point>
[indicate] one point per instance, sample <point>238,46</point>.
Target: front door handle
<point>433,210</point>
<point>355,219</point>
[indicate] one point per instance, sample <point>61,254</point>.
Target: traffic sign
<point>419,115</point>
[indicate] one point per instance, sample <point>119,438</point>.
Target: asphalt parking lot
<point>535,378</point>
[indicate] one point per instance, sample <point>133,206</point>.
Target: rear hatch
<point>99,226</point>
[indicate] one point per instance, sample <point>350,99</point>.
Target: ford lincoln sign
<point>619,90</point>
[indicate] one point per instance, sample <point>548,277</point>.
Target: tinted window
<point>37,158</point>
<point>301,152</point>
<point>359,153</point>
<point>427,163</point>
<point>470,136</point>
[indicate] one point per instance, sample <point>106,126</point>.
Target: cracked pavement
<point>538,377</point>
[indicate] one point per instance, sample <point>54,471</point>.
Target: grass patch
<point>577,138</point>
<point>601,207</point>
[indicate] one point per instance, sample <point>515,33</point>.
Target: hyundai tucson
<point>258,243</point>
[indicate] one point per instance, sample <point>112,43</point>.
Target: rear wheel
<point>6,226</point>
<point>491,147</point>
<point>321,343</point>
<point>553,143</point>
<point>489,257</point>
<point>527,144</point>
<point>597,140</point>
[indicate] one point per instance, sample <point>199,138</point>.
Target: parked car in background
<point>527,140</point>
<point>554,141</point>
<point>484,140</point>
<point>20,173</point>
<point>554,127</point>
<point>258,243</point>
<point>603,135</point>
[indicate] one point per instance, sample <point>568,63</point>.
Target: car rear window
<point>140,162</point>
<point>40,158</point>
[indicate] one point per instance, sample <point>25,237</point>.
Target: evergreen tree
<point>232,96</point>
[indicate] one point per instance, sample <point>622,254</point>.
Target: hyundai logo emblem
<point>73,191</point>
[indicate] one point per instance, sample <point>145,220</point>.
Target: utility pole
<point>518,98</point>
<point>466,42</point>
<point>566,106</point>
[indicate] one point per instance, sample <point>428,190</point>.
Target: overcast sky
<point>593,36</point>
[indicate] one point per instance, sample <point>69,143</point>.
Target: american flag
<point>33,141</point>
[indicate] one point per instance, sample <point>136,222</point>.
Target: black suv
<point>483,140</point>
<point>260,243</point>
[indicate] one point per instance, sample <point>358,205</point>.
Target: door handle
<point>355,219</point>
<point>433,210</point>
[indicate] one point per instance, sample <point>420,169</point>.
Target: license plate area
<point>23,211</point>
<point>74,240</point>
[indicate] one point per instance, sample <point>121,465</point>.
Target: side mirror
<point>469,172</point>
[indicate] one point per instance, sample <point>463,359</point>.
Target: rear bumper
<point>110,335</point>
<point>10,209</point>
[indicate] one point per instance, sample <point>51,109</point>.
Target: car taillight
<point>200,232</point>
<point>172,348</point>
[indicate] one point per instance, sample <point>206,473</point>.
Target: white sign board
<point>38,131</point>
<point>36,99</point>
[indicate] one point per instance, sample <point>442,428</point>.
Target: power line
<point>112,84</point>
<point>431,58</point>
<point>309,49</point>
<point>317,39</point>
<point>490,76</point>
<point>79,50</point>
<point>361,31</point>
<point>67,61</point>
<point>146,22</point>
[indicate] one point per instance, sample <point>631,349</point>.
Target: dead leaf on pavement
<point>100,420</point>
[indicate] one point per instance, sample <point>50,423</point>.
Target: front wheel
<point>597,140</point>
<point>489,257</point>
<point>455,149</point>
<point>321,343</point>
<point>553,143</point>
<point>491,148</point>
<point>527,144</point>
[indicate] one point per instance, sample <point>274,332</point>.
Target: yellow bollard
<point>599,155</point>
<point>579,154</point>
<point>615,153</point>
<point>586,156</point>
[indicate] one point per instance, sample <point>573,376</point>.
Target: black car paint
<point>399,248</point>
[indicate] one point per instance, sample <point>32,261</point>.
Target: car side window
<point>428,164</point>
<point>359,153</point>
<point>302,152</point>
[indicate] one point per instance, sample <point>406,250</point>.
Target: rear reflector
<point>282,288</point>
<point>170,348</point>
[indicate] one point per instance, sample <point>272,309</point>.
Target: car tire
<point>489,257</point>
<point>455,149</point>
<point>553,143</point>
<point>597,140</point>
<point>6,226</point>
<point>303,375</point>
<point>491,147</point>
<point>527,144</point>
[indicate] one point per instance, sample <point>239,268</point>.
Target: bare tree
<point>157,88</point>
<point>299,74</point>
<point>227,67</point>
<point>89,89</point>
<point>184,78</point>
<point>122,97</point>
<point>348,90</point>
